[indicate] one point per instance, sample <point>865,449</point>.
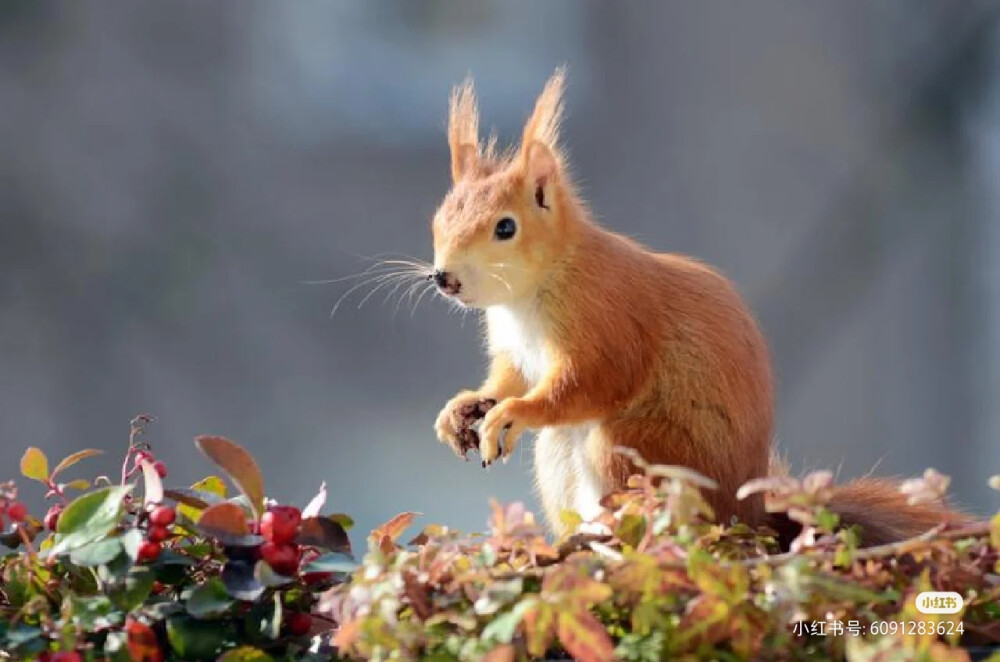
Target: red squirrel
<point>597,342</point>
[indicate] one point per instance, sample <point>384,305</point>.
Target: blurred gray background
<point>171,173</point>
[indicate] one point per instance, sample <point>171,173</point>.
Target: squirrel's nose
<point>446,282</point>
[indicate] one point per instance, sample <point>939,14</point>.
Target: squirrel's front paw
<point>501,419</point>
<point>454,423</point>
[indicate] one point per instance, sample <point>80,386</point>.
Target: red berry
<point>282,557</point>
<point>157,533</point>
<point>149,550</point>
<point>280,523</point>
<point>163,516</point>
<point>16,511</point>
<point>299,624</point>
<point>52,517</point>
<point>142,642</point>
<point>161,469</point>
<point>66,656</point>
<point>158,587</point>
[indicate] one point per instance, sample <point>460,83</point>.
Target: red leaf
<point>239,465</point>
<point>323,532</point>
<point>347,634</point>
<point>393,528</point>
<point>225,518</point>
<point>584,637</point>
<point>70,460</point>
<point>502,653</point>
<point>539,624</point>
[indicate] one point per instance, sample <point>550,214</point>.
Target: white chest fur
<point>519,333</point>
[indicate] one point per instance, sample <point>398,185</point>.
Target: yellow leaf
<point>539,626</point>
<point>571,520</point>
<point>239,465</point>
<point>78,484</point>
<point>210,484</point>
<point>35,465</point>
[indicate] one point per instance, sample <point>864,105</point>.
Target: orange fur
<point>596,341</point>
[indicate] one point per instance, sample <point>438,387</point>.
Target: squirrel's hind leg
<point>566,475</point>
<point>554,476</point>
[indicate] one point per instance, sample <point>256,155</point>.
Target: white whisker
<point>396,278</point>
<point>430,288</point>
<point>379,279</point>
<point>502,280</point>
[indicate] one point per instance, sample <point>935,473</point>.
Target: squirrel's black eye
<point>505,229</point>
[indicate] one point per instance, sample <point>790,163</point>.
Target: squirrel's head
<point>502,226</point>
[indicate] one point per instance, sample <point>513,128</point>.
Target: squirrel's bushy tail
<point>883,513</point>
<point>877,506</point>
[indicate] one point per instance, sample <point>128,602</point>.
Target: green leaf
<point>78,484</point>
<point>245,654</point>
<point>497,595</point>
<point>21,634</point>
<point>209,599</point>
<point>239,465</point>
<point>96,553</point>
<point>266,575</point>
<point>92,612</point>
<point>238,578</point>
<point>503,627</point>
<point>331,562</point>
<point>35,465</point>
<point>827,519</point>
<point>137,587</point>
<point>88,518</point>
<point>131,540</point>
<point>69,461</point>
<point>192,639</point>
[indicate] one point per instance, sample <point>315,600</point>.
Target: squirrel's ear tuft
<point>463,130</point>
<point>543,125</point>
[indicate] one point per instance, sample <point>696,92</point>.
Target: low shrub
<point>133,570</point>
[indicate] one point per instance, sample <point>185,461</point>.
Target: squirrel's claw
<point>499,421</point>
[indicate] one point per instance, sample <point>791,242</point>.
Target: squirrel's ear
<point>540,170</point>
<point>543,125</point>
<point>541,159</point>
<point>463,130</point>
